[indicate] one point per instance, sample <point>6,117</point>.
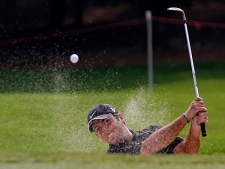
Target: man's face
<point>112,129</point>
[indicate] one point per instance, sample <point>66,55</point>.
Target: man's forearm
<point>192,143</point>
<point>163,137</point>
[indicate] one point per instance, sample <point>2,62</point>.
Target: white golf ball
<point>74,58</point>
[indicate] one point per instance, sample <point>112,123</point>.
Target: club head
<point>175,9</point>
<point>178,10</point>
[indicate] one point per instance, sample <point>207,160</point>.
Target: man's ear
<point>121,117</point>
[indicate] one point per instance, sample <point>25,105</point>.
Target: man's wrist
<point>186,118</point>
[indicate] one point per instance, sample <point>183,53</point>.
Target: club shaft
<point>193,72</point>
<point>191,60</point>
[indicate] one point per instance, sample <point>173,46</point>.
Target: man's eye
<point>107,121</point>
<point>97,129</point>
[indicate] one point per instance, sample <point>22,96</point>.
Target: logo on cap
<point>92,115</point>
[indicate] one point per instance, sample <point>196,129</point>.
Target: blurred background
<point>44,33</point>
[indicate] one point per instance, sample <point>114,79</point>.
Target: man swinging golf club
<point>109,125</point>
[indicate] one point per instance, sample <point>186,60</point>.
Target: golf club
<point>191,60</point>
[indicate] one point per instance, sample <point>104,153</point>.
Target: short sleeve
<point>171,146</point>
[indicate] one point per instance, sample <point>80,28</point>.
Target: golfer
<point>109,125</point>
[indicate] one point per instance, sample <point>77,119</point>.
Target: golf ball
<point>74,58</point>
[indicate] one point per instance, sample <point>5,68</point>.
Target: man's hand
<point>201,117</point>
<point>197,106</point>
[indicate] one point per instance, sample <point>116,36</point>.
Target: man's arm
<point>164,136</point>
<point>192,144</point>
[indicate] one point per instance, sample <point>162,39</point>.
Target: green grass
<point>102,161</point>
<point>43,114</point>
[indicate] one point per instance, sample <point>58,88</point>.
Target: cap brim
<point>104,116</point>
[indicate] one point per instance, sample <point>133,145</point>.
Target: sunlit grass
<point>39,123</point>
